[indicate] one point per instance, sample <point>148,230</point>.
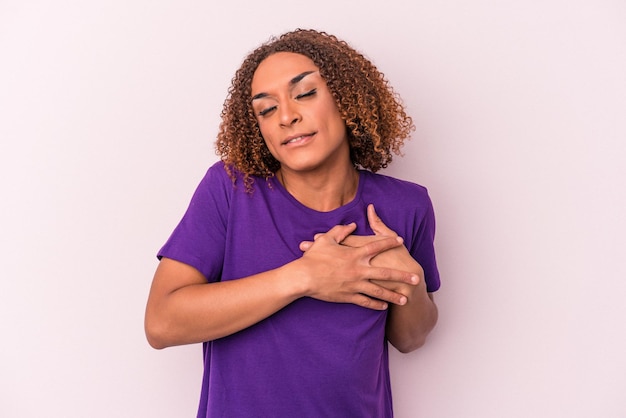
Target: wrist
<point>293,280</point>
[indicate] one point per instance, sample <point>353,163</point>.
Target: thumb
<point>340,232</point>
<point>336,234</point>
<point>305,245</point>
<point>377,224</point>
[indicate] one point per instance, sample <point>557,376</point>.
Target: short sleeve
<point>199,238</point>
<point>423,245</point>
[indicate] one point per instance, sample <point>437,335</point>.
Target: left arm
<point>408,324</point>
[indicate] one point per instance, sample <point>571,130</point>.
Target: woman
<point>281,265</point>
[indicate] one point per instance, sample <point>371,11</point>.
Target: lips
<point>296,138</point>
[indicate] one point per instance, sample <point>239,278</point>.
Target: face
<point>297,114</point>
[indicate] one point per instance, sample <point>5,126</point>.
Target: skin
<point>301,125</point>
<point>408,324</point>
<point>304,131</point>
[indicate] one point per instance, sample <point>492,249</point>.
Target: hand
<point>407,325</point>
<point>397,257</point>
<point>344,273</point>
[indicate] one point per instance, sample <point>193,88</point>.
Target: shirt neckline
<point>348,206</point>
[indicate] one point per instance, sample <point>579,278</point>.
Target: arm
<point>408,325</point>
<point>183,308</point>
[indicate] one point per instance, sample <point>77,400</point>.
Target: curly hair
<point>376,121</point>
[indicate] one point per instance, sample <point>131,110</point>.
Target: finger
<point>388,284</point>
<point>377,224</point>
<point>368,302</point>
<point>392,275</point>
<point>305,245</point>
<point>339,232</point>
<point>380,293</point>
<point>374,248</point>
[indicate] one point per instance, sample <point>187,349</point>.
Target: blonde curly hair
<point>376,121</point>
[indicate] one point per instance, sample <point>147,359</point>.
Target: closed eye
<point>266,111</point>
<point>307,94</point>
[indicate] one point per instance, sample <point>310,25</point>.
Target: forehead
<point>279,69</point>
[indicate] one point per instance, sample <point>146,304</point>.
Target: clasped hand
<point>369,271</point>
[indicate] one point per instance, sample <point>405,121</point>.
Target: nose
<point>289,114</point>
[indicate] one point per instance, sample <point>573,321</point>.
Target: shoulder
<point>394,188</point>
<point>217,173</point>
<point>219,177</point>
<point>215,188</point>
<point>230,178</point>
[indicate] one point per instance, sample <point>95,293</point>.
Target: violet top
<point>312,358</point>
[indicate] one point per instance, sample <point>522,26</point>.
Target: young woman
<point>288,264</point>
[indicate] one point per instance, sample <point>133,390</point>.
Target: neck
<point>322,192</point>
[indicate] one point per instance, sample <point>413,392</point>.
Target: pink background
<point>108,111</point>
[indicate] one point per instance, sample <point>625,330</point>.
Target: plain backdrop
<point>108,113</point>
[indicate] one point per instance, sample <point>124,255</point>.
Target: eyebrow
<point>292,83</point>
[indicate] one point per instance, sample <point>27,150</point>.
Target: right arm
<point>183,308</point>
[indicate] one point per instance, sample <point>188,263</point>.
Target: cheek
<point>336,124</point>
<point>333,117</point>
<point>267,139</point>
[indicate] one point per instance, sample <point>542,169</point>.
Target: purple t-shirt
<point>311,358</point>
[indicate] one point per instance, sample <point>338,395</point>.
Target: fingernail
<point>414,279</point>
<point>402,300</point>
<point>400,240</point>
